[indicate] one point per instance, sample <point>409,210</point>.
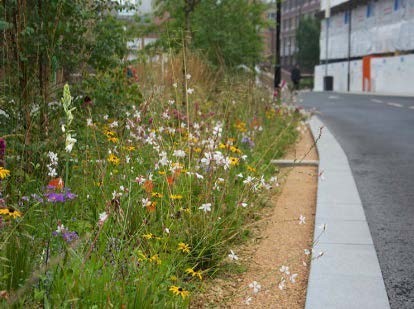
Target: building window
<point>346,17</point>
<point>370,9</point>
<point>396,5</point>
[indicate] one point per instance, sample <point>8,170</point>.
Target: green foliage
<point>307,37</point>
<point>227,31</point>
<point>109,45</point>
<point>111,91</point>
<point>132,258</point>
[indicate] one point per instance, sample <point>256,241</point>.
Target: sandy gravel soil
<point>280,239</point>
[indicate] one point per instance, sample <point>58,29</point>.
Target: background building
<point>292,12</point>
<point>370,46</point>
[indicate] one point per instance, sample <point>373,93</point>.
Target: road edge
<point>347,275</point>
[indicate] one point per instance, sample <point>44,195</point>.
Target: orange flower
<point>56,183</point>
<point>170,180</point>
<point>148,186</point>
<point>151,206</point>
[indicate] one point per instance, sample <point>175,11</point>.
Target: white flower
<point>323,226</point>
<point>175,85</point>
<point>63,128</point>
<point>307,251</point>
<point>302,219</point>
<point>103,217</point>
<point>105,117</point>
<point>188,76</point>
<point>89,122</point>
<point>179,153</point>
<point>255,286</point>
<point>145,202</point>
<point>70,142</point>
<point>240,175</point>
<point>190,90</point>
<point>248,180</point>
<point>205,207</point>
<point>199,176</point>
<point>248,300</point>
<point>243,204</point>
<point>321,176</point>
<point>292,278</point>
<point>171,102</point>
<point>167,230</point>
<point>284,269</point>
<point>60,228</point>
<point>114,124</point>
<point>282,284</point>
<point>140,180</point>
<point>233,256</point>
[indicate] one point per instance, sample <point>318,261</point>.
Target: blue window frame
<point>370,9</point>
<point>346,17</point>
<point>396,5</point>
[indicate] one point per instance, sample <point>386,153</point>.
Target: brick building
<point>292,12</point>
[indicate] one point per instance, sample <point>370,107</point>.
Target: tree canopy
<point>227,31</point>
<point>307,37</point>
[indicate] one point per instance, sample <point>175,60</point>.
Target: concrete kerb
<point>379,94</point>
<point>348,274</point>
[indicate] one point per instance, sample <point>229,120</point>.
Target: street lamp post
<point>327,18</point>
<point>278,68</point>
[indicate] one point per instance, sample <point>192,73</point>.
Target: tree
<point>307,38</point>
<point>39,39</point>
<point>227,31</point>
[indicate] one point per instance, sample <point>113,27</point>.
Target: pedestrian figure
<point>295,77</point>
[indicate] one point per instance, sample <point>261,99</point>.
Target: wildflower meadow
<point>135,201</point>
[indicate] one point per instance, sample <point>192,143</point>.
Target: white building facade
<point>369,46</point>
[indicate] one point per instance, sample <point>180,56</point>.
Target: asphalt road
<point>377,134</point>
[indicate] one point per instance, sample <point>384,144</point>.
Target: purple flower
<point>55,197</point>
<point>59,197</point>
<point>37,198</point>
<point>2,151</point>
<point>70,196</point>
<point>69,236</point>
<point>247,140</point>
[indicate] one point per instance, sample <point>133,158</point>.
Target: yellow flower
<point>113,139</point>
<point>155,259</point>
<point>176,196</point>
<point>240,126</point>
<point>183,247</point>
<point>129,148</point>
<point>234,149</point>
<point>148,236</point>
<point>113,159</point>
<point>194,273</point>
<point>162,172</point>
<point>4,173</point>
<point>156,194</point>
<point>234,161</point>
<point>173,278</point>
<point>251,169</point>
<point>222,146</point>
<point>179,291</point>
<point>197,149</point>
<point>10,212</point>
<point>109,133</point>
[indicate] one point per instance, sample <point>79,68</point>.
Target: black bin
<point>328,83</point>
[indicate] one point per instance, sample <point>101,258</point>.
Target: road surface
<point>377,134</point>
